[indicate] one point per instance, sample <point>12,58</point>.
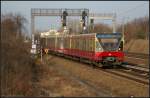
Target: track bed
<point>111,84</point>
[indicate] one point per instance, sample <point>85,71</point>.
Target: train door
<point>121,46</point>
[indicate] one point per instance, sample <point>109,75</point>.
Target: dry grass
<point>59,84</point>
<point>17,68</point>
<point>138,46</point>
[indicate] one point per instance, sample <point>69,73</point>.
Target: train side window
<point>67,42</point>
<point>96,46</point>
<point>75,43</point>
<point>88,45</point>
<point>92,42</point>
<point>72,44</point>
<point>64,44</point>
<point>83,44</point>
<point>80,43</point>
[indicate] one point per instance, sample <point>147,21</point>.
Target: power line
<point>122,13</point>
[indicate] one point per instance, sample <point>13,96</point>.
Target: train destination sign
<point>109,35</point>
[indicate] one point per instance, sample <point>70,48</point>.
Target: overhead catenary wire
<point>132,9</point>
<point>122,15</point>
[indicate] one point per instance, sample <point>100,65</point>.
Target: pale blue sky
<point>130,9</point>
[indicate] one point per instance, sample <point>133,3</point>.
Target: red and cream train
<point>98,48</point>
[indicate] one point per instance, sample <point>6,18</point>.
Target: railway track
<point>137,59</point>
<point>136,65</point>
<point>136,68</point>
<point>130,75</point>
<point>94,84</point>
<point>137,55</point>
<point>135,73</point>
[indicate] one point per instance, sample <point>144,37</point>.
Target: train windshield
<point>109,41</point>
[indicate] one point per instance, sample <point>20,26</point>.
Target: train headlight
<point>100,49</point>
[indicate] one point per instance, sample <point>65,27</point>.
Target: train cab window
<point>109,44</point>
<point>109,41</point>
<point>98,47</point>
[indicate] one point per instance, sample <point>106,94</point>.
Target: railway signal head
<point>65,13</point>
<point>84,14</point>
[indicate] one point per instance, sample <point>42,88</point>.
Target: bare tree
<point>15,61</point>
<point>101,28</point>
<point>20,21</point>
<point>136,29</point>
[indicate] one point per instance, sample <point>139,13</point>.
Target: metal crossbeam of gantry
<point>102,16</point>
<point>70,12</point>
<point>56,12</point>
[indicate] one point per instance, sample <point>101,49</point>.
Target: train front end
<point>109,48</point>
